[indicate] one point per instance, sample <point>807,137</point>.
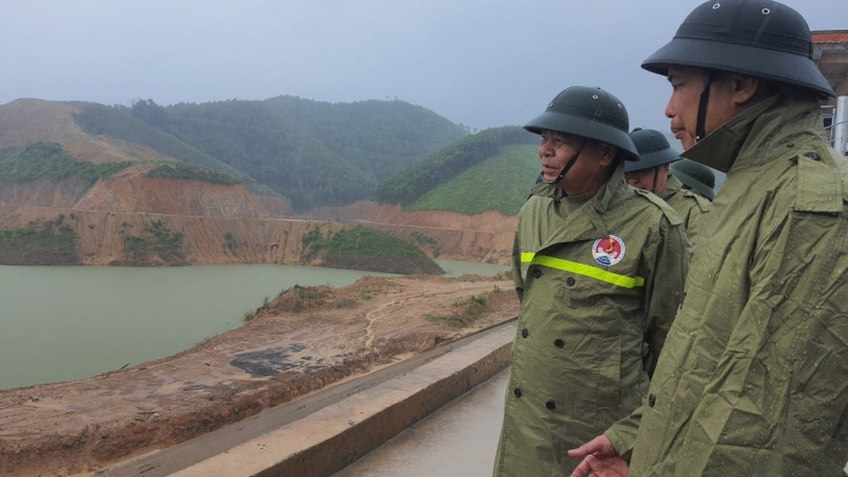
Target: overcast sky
<point>481,63</point>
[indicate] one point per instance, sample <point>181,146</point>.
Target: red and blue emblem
<point>608,251</point>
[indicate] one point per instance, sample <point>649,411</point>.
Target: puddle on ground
<point>458,440</point>
<point>276,360</point>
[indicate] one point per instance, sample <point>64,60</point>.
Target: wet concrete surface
<point>458,440</point>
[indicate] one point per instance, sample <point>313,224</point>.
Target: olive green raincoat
<point>753,379</point>
<point>599,288</point>
<point>692,208</point>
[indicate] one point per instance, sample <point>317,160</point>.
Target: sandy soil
<point>304,340</point>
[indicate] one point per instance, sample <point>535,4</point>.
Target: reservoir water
<point>64,323</point>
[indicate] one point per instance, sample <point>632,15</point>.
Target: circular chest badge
<point>608,251</point>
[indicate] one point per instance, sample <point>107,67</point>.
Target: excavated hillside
<point>218,223</point>
<point>27,121</point>
<point>486,237</point>
<point>129,191</point>
<point>43,192</point>
<point>101,235</point>
<point>222,224</point>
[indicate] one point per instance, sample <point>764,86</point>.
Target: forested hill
<point>314,153</point>
<point>491,150</point>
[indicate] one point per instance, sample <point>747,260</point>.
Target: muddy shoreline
<point>301,342</point>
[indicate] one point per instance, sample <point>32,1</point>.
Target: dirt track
<point>303,341</point>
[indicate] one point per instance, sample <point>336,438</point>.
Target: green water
<point>63,323</point>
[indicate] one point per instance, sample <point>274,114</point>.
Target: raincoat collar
<point>673,186</point>
<point>600,202</point>
<point>741,142</point>
<point>588,223</point>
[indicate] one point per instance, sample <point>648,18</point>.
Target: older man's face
<point>556,149</point>
<point>687,84</point>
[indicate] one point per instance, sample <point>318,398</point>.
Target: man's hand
<point>600,459</point>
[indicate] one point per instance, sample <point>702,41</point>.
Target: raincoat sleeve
<point>516,267</point>
<point>664,289</point>
<point>698,221</point>
<point>663,292</point>
<point>622,434</point>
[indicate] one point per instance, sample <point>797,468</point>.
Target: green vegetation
<point>298,299</point>
<point>230,242</point>
<point>191,173</point>
<point>48,159</point>
<point>251,314</point>
<point>314,153</point>
<point>501,183</point>
<point>368,292</point>
<point>406,187</point>
<point>309,293</point>
<point>158,241</point>
<point>40,243</point>
<point>363,248</point>
<point>423,239</point>
<point>465,312</point>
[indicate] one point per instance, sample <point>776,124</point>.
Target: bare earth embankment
<point>304,340</point>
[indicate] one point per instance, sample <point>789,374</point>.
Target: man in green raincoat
<point>651,173</point>
<point>695,177</point>
<point>599,268</point>
<point>753,379</point>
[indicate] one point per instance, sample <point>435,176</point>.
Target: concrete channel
<point>323,433</point>
<point>458,440</point>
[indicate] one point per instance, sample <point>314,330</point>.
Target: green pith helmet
<point>695,176</point>
<point>654,150</point>
<point>758,38</point>
<point>590,113</point>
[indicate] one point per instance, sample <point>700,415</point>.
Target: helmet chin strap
<point>569,165</point>
<point>656,176</point>
<point>700,130</point>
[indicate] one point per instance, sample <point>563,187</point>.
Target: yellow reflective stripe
<point>581,269</point>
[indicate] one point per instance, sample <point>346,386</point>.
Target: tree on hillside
<point>412,183</point>
<point>150,112</point>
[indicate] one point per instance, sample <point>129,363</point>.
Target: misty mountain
<point>314,153</point>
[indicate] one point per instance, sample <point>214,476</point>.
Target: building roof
<point>830,54</point>
<point>831,36</point>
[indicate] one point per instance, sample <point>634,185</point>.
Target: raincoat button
<point>652,400</point>
<point>524,333</point>
<point>570,282</point>
<point>517,392</point>
<point>559,343</point>
<point>537,274</point>
<point>550,405</point>
<point>812,155</point>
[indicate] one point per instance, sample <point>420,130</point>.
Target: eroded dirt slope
<point>130,191</point>
<point>304,340</point>
<point>486,237</point>
<point>101,235</point>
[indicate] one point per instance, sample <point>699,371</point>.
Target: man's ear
<point>607,154</point>
<point>743,88</point>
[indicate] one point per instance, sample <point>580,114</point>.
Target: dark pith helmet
<point>654,150</point>
<point>695,176</point>
<point>758,38</point>
<point>591,113</point>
